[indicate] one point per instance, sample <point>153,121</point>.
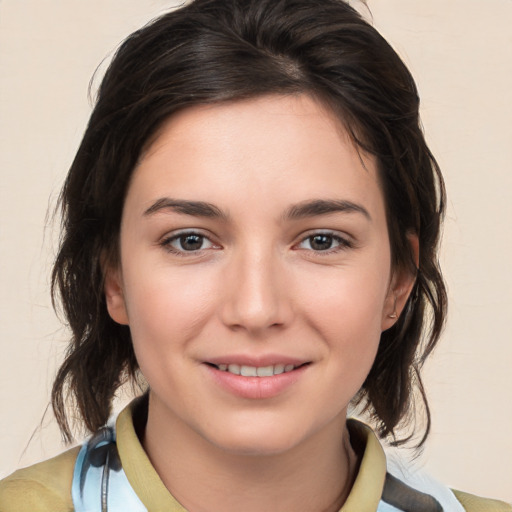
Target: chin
<point>256,447</point>
<point>257,440</point>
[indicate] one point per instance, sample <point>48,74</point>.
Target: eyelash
<point>342,242</point>
<point>166,243</point>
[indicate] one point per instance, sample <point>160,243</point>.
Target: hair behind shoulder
<point>212,51</point>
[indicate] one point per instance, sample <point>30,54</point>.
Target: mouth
<point>257,371</point>
<point>260,378</point>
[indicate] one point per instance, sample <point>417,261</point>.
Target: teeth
<point>256,371</point>
<point>265,371</point>
<point>278,368</point>
<point>234,368</point>
<point>248,371</point>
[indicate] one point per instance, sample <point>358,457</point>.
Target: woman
<point>251,224</point>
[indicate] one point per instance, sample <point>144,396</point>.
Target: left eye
<point>323,242</point>
<point>188,242</point>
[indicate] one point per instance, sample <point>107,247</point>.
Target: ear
<point>114,296</point>
<point>401,285</point>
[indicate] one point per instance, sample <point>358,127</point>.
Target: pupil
<point>321,242</point>
<point>191,242</point>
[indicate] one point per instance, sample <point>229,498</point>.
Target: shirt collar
<point>364,495</point>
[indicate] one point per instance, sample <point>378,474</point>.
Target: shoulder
<point>43,487</point>
<point>472,503</point>
<point>412,474</point>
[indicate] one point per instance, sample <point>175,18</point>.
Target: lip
<point>258,361</point>
<point>256,388</point>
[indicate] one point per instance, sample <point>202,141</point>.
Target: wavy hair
<point>212,51</point>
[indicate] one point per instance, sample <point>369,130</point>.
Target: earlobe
<point>401,286</point>
<point>114,297</point>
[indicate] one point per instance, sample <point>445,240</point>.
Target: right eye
<point>188,242</point>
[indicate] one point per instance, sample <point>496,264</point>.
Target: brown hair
<point>219,50</point>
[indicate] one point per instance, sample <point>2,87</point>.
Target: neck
<point>316,475</point>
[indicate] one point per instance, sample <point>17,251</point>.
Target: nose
<point>256,293</point>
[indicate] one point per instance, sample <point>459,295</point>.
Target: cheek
<point>166,308</point>
<point>346,309</point>
<point>348,294</point>
<point>351,332</point>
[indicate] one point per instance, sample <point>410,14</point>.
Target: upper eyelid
<point>171,235</point>
<point>167,244</point>
<point>330,232</point>
<point>345,241</point>
<point>166,239</point>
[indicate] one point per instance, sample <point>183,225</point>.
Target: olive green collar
<point>364,496</point>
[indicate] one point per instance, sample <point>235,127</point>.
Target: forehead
<point>231,120</point>
<point>283,148</point>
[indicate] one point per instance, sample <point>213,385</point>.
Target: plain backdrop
<point>460,52</point>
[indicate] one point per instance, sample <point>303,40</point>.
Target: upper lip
<point>257,361</point>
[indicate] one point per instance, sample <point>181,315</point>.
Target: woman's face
<point>254,240</point>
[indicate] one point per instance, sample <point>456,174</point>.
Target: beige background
<point>460,52</point>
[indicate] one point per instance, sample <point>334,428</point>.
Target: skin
<point>254,283</point>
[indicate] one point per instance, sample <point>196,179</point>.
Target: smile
<point>259,380</point>
<point>256,371</point>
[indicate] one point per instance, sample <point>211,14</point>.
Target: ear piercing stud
<point>394,314</point>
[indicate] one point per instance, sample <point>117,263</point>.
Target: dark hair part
<point>223,50</point>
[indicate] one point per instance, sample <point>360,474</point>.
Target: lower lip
<point>256,388</point>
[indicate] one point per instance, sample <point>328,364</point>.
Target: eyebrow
<point>195,208</point>
<point>324,207</point>
<point>311,208</point>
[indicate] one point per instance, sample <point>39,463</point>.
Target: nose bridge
<point>256,290</point>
